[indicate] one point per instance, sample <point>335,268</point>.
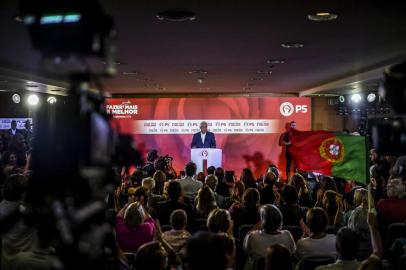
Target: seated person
<point>151,256</point>
<point>278,257</point>
<point>219,221</point>
<point>205,202</point>
<point>316,241</point>
<point>178,236</point>
<point>190,186</point>
<point>164,209</point>
<point>134,227</point>
<point>257,241</point>
<point>209,251</point>
<point>267,192</point>
<point>347,243</point>
<point>292,213</point>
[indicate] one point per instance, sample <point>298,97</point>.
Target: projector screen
<point>246,129</point>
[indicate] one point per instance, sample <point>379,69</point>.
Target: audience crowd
<point>215,221</point>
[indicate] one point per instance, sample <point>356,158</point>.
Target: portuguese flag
<point>331,154</point>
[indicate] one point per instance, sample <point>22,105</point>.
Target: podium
<point>206,157</point>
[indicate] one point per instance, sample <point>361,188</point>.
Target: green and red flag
<point>332,154</point>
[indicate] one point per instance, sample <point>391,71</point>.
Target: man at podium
<point>204,138</point>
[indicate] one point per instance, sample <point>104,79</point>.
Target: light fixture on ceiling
<point>371,97</point>
<point>322,16</point>
<point>264,72</point>
<point>200,80</point>
<point>56,90</point>
<point>115,63</point>
<point>356,98</point>
<point>256,79</point>
<point>341,99</point>
<point>130,73</point>
<point>275,61</point>
<point>51,100</point>
<point>292,45</point>
<point>16,98</point>
<point>33,100</point>
<point>176,16</point>
<point>198,72</point>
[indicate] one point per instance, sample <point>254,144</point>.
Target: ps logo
<point>205,153</point>
<point>288,109</point>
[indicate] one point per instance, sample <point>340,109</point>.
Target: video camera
<point>389,136</point>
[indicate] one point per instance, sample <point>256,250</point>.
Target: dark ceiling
<point>232,40</point>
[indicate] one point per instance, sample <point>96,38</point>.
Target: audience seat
<point>259,264</point>
<point>296,231</point>
<point>395,231</point>
<point>243,230</point>
<point>311,262</point>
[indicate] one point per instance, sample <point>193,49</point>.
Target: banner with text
<point>246,129</point>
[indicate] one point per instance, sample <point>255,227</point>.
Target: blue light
<point>71,18</point>
<point>51,19</point>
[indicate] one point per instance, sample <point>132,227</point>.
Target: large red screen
<point>246,129</point>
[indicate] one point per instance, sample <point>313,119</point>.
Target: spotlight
<point>51,100</point>
<point>356,98</point>
<point>33,100</point>
<point>341,99</point>
<point>16,98</point>
<point>371,97</point>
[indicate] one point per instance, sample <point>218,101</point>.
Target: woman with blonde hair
<point>205,202</point>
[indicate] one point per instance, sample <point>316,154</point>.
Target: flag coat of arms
<point>331,154</point>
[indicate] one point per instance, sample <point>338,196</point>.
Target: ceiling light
<point>51,100</point>
<point>176,16</point>
<point>356,98</point>
<point>275,61</point>
<point>371,97</point>
<point>264,72</point>
<point>200,80</point>
<point>293,45</point>
<point>256,79</point>
<point>198,72</point>
<point>341,99</point>
<point>130,73</point>
<point>322,16</point>
<point>33,100</point>
<point>16,98</point>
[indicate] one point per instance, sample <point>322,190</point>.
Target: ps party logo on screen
<point>288,109</point>
<point>124,110</point>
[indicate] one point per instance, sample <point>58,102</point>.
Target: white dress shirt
<point>203,135</point>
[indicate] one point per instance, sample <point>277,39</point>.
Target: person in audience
<point>27,131</point>
<point>151,256</point>
<point>206,250</point>
<point>392,209</point>
<point>374,261</point>
<point>248,178</point>
<point>267,192</point>
<point>223,187</point>
<point>17,236</point>
<point>189,185</point>
<point>149,168</point>
<point>134,227</point>
<point>333,205</point>
<point>316,241</point>
<point>211,181</point>
<point>246,212</point>
<point>136,177</point>
<point>211,170</point>
<point>358,217</point>
<point>278,257</point>
<point>160,179</point>
<point>257,241</point>
<point>164,209</point>
<point>200,177</point>
<point>178,236</point>
<point>152,199</point>
<point>298,181</point>
<point>10,163</point>
<point>347,243</point>
<point>292,213</point>
<point>219,221</point>
<point>19,147</point>
<point>205,202</point>
<point>2,150</point>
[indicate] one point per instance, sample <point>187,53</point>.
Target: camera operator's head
<point>190,169</point>
<point>152,155</point>
<point>14,187</point>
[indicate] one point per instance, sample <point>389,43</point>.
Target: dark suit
<point>209,140</point>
